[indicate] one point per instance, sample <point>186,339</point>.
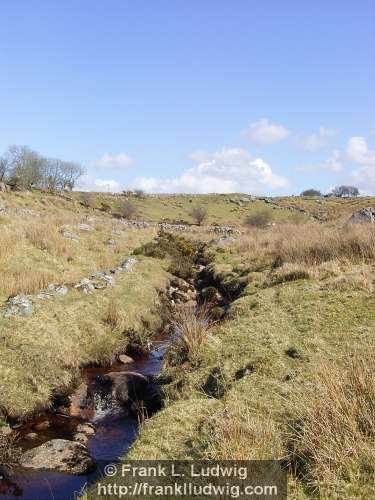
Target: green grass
<point>280,332</point>
<point>40,355</point>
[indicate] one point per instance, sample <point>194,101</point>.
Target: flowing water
<point>116,430</point>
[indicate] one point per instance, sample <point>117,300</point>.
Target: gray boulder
<point>59,454</point>
<point>20,305</point>
<point>364,215</point>
<point>85,227</point>
<point>69,234</point>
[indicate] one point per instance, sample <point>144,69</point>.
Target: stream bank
<point>104,414</point>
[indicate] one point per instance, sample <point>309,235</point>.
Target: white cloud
<point>265,132</point>
<point>364,179</point>
<point>359,153</point>
<point>225,171</point>
<point>333,163</point>
<point>319,140</point>
<point>91,183</point>
<point>108,161</point>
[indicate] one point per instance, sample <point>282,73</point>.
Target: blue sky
<point>261,96</point>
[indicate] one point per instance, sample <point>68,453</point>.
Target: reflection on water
<point>116,431</point>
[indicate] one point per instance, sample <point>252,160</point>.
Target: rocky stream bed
<point>66,448</point>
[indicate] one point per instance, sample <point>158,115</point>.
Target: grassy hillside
<point>289,374</point>
<point>40,354</point>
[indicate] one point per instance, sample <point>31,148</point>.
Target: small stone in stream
<point>30,436</point>
<point>59,454</point>
<point>86,428</point>
<point>78,400</point>
<point>180,284</point>
<point>125,359</point>
<point>42,426</point>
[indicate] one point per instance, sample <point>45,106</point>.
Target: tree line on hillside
<point>338,191</point>
<point>23,168</point>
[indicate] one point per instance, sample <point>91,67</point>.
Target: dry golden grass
<point>9,453</point>
<point>236,432</point>
<point>311,244</point>
<point>192,331</point>
<point>114,316</point>
<point>334,437</point>
<point>358,279</point>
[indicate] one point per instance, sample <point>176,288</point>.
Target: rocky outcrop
<point>59,454</point>
<point>180,291</point>
<point>20,305</point>
<point>365,215</point>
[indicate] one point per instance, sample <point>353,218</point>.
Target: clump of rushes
<point>9,452</point>
<point>334,437</point>
<point>191,329</point>
<point>113,316</point>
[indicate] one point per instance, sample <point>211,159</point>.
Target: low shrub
<point>261,218</point>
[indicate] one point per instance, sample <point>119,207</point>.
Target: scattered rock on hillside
<point>69,234</point>
<point>85,227</point>
<point>364,215</point>
<point>86,285</point>
<point>52,291</point>
<point>110,242</point>
<point>128,264</point>
<point>27,212</point>
<point>59,454</point>
<point>20,305</point>
<point>223,241</point>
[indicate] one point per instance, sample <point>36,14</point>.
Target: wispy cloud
<point>109,161</point>
<point>318,140</point>
<point>265,132</point>
<point>89,182</point>
<point>358,151</point>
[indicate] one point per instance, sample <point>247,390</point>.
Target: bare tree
<point>26,166</point>
<point>128,210</point>
<point>4,168</point>
<point>70,173</point>
<point>345,191</point>
<point>139,193</point>
<point>199,214</point>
